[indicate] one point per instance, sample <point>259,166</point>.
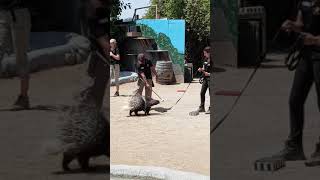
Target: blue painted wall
<point>168,34</point>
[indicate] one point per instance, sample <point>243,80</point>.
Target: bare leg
<point>24,86</point>
<point>20,35</point>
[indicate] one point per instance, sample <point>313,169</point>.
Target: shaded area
<point>94,169</point>
<point>259,125</point>
<point>26,134</point>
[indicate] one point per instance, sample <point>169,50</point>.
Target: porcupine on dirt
<point>85,133</point>
<point>139,103</point>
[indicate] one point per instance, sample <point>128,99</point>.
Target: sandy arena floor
<point>171,139</point>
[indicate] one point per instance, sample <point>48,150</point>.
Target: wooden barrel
<point>165,72</point>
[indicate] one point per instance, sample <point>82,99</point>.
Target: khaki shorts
<point>115,72</point>
<point>140,87</point>
<point>14,37</point>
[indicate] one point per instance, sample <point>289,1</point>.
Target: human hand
<point>310,39</point>
<point>287,25</point>
<point>200,69</point>
<point>206,74</point>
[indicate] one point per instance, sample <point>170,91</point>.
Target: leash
<point>295,54</point>
<point>176,101</point>
<point>291,61</point>
<point>237,99</point>
<point>152,89</point>
<point>242,91</point>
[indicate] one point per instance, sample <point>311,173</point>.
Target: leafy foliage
<point>172,9</point>
<point>116,10</point>
<point>118,6</point>
<point>197,16</point>
<point>164,42</point>
<point>230,9</point>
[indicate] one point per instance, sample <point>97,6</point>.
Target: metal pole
<point>157,15</point>
<point>158,5</point>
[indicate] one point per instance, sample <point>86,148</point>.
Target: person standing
<point>97,20</point>
<point>115,63</point>
<point>205,70</point>
<point>15,27</point>
<point>307,23</point>
<point>145,70</point>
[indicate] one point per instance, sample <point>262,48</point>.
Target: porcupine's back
<point>137,103</point>
<point>85,130</point>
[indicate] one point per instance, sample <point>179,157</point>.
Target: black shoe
<point>116,94</point>
<point>208,111</point>
<point>315,157</point>
<point>291,152</point>
<point>201,109</point>
<point>22,103</point>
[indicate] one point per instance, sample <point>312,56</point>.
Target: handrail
<point>135,11</point>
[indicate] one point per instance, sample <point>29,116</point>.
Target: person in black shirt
<point>205,70</point>
<point>307,73</point>
<point>97,17</point>
<point>145,70</point>
<point>15,27</point>
<point>115,64</point>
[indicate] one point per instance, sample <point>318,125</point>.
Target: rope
<point>237,99</point>
<point>180,97</point>
<point>295,54</point>
<point>241,92</point>
<point>177,100</point>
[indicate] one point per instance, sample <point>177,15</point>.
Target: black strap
<point>295,54</point>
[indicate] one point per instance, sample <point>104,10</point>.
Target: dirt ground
<point>171,139</point>
<point>166,138</point>
<point>25,135</point>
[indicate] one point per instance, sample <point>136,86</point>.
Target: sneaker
<point>291,152</point>
<point>22,103</point>
<point>315,157</point>
<point>208,112</point>
<point>116,94</point>
<point>201,109</point>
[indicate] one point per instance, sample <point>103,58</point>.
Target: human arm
<point>295,26</point>
<point>143,76</point>
<point>311,40</point>
<point>205,70</point>
<point>115,56</point>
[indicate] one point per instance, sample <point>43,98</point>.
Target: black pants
<point>204,88</point>
<point>307,72</point>
<point>99,71</point>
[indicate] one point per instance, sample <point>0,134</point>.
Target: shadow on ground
<point>219,70</point>
<point>96,169</point>
<point>161,109</point>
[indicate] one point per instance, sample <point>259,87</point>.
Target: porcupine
<point>84,133</point>
<point>139,103</point>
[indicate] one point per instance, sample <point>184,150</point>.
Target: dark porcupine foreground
<point>84,133</point>
<point>139,103</point>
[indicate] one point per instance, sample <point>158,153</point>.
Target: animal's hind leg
<point>67,158</point>
<point>84,162</point>
<point>147,111</point>
<point>136,113</point>
<point>130,113</point>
